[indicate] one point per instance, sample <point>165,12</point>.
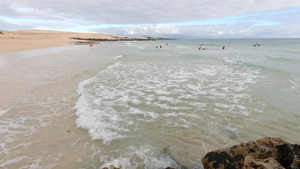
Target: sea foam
<point>3,112</point>
<point>183,97</point>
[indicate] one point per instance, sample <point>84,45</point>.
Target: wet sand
<point>40,72</point>
<point>38,95</point>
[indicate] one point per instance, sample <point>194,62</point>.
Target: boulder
<point>265,153</point>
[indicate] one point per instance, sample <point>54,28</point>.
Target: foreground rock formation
<point>265,153</point>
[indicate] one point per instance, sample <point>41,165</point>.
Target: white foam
<point>203,145</point>
<point>140,157</point>
<point>120,101</point>
<point>3,112</point>
<point>12,161</point>
<point>135,101</point>
<point>101,123</point>
<point>118,57</point>
<point>136,45</point>
<point>180,46</point>
<point>161,92</point>
<point>230,128</point>
<point>293,85</point>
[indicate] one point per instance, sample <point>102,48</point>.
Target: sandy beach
<point>40,68</point>
<point>130,105</point>
<point>12,41</point>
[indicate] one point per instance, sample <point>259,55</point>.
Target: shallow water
<point>141,107</point>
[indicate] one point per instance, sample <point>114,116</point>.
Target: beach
<point>12,41</point>
<point>130,105</point>
<point>41,62</point>
<point>38,95</point>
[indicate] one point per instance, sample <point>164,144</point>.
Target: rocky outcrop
<point>265,153</point>
<point>121,39</point>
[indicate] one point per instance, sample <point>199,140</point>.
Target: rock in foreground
<point>264,153</point>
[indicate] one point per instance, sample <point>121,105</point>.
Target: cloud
<point>149,18</point>
<point>140,12</point>
<point>259,25</point>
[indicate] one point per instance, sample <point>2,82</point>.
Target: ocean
<point>132,105</point>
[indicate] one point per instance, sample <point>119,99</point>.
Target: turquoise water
<point>189,101</point>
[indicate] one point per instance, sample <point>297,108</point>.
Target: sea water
<point>149,107</point>
<point>159,107</point>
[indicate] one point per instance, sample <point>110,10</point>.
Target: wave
<point>119,98</point>
<point>154,96</point>
<point>118,57</point>
<point>263,63</point>
<point>3,112</point>
<point>144,156</point>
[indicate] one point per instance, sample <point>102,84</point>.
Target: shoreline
<point>39,94</point>
<point>14,41</point>
<point>40,128</point>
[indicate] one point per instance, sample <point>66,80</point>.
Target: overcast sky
<point>164,18</point>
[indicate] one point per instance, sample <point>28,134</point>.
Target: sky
<point>157,18</point>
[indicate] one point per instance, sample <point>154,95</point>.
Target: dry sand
<point>12,41</point>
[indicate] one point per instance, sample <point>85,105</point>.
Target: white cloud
<point>153,18</point>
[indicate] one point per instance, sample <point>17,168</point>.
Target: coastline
<point>39,95</point>
<point>48,81</point>
<point>14,41</point>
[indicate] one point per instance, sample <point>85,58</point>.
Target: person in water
<point>223,47</point>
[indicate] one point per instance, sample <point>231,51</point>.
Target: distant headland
<point>12,41</point>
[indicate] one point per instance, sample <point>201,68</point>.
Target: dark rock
<point>268,163</point>
<point>264,153</point>
<point>284,154</point>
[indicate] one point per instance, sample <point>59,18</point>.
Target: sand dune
<point>11,41</point>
